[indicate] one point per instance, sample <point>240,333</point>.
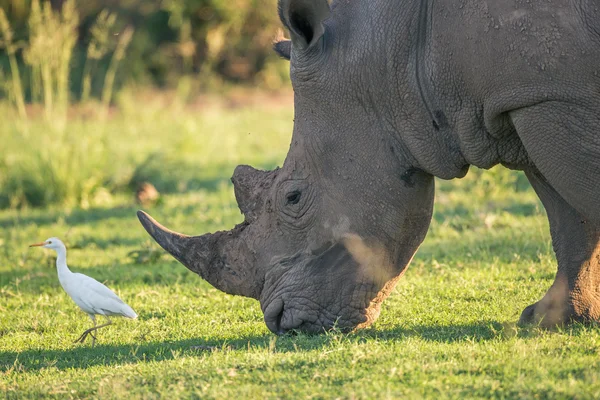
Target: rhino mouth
<point>282,318</point>
<point>310,293</point>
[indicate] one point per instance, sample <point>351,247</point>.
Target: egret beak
<point>37,244</point>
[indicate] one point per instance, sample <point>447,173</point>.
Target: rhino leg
<point>575,293</point>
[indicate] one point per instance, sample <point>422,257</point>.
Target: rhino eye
<point>293,197</point>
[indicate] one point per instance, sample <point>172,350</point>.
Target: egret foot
<point>85,334</point>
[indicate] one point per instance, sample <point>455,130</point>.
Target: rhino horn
<point>208,255</point>
<point>249,186</point>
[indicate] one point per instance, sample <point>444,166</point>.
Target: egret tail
<point>128,312</point>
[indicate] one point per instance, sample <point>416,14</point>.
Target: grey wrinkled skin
<point>389,94</point>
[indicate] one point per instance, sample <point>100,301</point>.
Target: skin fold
<point>388,95</point>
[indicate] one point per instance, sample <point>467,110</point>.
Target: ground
<point>447,330</point>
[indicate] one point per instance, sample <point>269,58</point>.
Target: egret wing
<point>95,298</point>
<point>96,288</point>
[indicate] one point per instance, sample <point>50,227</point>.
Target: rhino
<point>389,94</point>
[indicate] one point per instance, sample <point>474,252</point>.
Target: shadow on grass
<point>82,357</point>
<point>479,331</point>
<point>41,217</point>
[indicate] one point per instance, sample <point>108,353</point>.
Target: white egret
<point>90,295</point>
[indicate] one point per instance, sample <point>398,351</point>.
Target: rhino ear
<point>304,19</point>
<point>283,48</point>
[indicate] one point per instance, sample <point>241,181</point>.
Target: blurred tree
<point>202,39</point>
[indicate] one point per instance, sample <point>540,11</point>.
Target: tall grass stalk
<point>109,79</point>
<point>69,20</point>
<point>11,48</point>
<point>34,56</point>
<point>99,46</point>
<point>52,38</point>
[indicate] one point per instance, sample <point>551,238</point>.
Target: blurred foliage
<point>206,41</point>
<point>91,163</point>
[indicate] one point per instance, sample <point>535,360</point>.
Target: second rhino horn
<point>249,185</point>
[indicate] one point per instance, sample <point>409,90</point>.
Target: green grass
<point>83,164</point>
<point>447,331</point>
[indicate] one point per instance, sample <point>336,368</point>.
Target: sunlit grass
<point>447,331</point>
<point>89,161</point>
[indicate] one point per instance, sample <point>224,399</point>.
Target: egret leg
<point>92,334</point>
<point>89,331</point>
<point>82,338</point>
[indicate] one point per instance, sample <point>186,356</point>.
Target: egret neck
<point>61,263</point>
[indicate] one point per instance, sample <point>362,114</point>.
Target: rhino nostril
<point>280,331</point>
<point>273,315</point>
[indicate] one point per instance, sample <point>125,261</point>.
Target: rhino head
<point>325,236</point>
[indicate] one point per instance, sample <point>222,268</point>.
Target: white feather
<point>91,296</point>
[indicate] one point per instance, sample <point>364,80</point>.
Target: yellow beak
<point>37,244</point>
